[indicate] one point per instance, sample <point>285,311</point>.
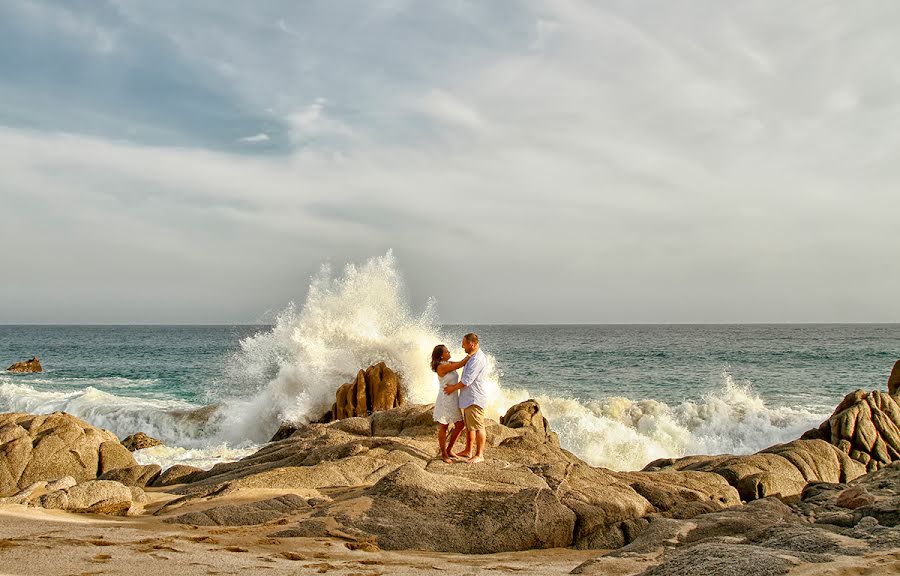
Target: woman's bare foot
<point>475,459</point>
<point>465,455</point>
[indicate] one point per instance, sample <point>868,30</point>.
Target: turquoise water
<point>797,365</point>
<point>618,395</point>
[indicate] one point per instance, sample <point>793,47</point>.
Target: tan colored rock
<point>93,496</point>
<point>177,474</point>
<point>528,415</point>
<point>140,441</point>
<point>50,446</point>
<point>137,475</point>
<point>375,389</point>
<point>866,427</point>
<point>33,365</point>
<point>412,508</point>
<point>248,514</point>
<point>113,455</point>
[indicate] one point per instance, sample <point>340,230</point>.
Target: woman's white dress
<point>446,407</point>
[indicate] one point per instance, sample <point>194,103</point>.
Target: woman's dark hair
<point>436,356</point>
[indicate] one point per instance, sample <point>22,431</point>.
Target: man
<point>472,398</point>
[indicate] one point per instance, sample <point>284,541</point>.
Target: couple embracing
<point>461,401</point>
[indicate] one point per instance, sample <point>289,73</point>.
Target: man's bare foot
<point>465,455</point>
<point>475,459</point>
<point>448,458</point>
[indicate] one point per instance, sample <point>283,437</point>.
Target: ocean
<point>619,396</point>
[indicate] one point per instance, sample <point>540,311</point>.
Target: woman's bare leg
<point>457,430</point>
<point>442,437</point>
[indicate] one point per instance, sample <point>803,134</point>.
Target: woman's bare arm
<point>442,369</point>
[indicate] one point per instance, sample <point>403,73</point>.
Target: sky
<point>526,162</point>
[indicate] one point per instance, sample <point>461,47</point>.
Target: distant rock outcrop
<point>49,446</point>
<point>140,441</point>
<point>375,389</point>
<point>33,365</point>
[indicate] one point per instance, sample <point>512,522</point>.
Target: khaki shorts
<point>474,417</point>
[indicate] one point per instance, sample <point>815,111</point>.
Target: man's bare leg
<point>470,440</point>
<point>480,440</point>
<point>457,430</point>
<point>442,436</point>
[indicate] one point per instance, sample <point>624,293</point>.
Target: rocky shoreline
<point>374,484</point>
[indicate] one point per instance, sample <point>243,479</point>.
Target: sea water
<point>619,396</point>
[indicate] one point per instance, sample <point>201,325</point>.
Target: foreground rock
<point>244,514</point>
<point>36,448</point>
<point>769,537</point>
<point>94,497</point>
<point>33,365</point>
<point>140,441</point>
<point>386,485</point>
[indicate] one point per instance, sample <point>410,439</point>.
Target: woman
<point>446,407</point>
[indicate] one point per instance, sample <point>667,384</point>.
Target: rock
<point>61,484</point>
<point>682,494</point>
<point>894,380</point>
<point>723,559</point>
<point>415,509</point>
<point>140,441</point>
<point>247,514</point>
<point>177,474</point>
<point>375,389</point>
<point>284,431</point>
<point>50,446</point>
<point>854,497</point>
<point>782,470</point>
<point>527,415</point>
<point>23,495</point>
<point>866,427</point>
<point>113,455</point>
<point>93,496</point>
<point>33,365</point>
<point>136,475</point>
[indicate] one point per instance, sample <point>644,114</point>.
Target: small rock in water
<point>140,441</point>
<point>33,365</point>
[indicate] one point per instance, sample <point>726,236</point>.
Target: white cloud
<point>702,162</point>
<point>261,137</point>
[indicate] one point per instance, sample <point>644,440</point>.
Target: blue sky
<point>640,161</point>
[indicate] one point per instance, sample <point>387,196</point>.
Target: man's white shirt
<point>474,377</point>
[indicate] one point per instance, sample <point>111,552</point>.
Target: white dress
<point>446,407</point>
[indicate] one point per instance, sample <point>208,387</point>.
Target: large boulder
<point>374,389</point>
<point>489,510</point>
<point>50,446</point>
<point>33,365</point>
<point>866,427</point>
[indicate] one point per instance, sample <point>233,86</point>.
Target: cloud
<point>587,161</point>
<point>261,137</point>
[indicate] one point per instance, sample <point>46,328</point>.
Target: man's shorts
<point>474,417</point>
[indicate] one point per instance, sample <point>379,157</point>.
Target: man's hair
<point>471,338</point>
